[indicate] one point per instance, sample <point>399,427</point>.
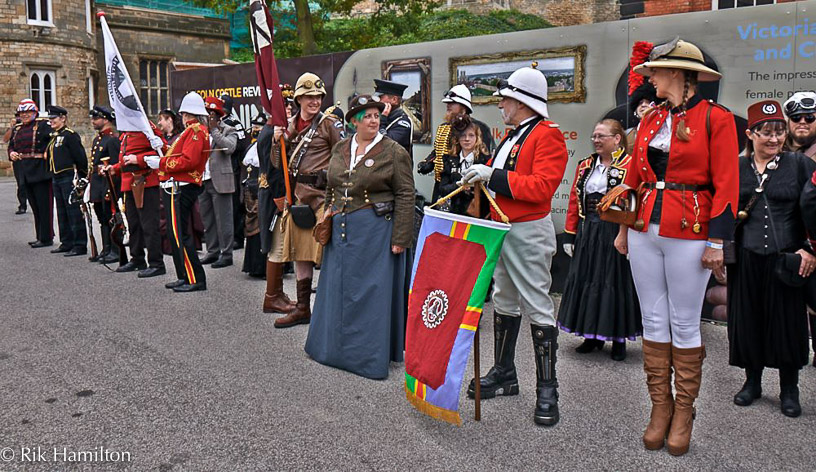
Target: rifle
<point>118,226</point>
<point>78,195</point>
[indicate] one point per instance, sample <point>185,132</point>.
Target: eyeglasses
<point>598,137</point>
<point>805,103</point>
<point>809,118</point>
<point>769,135</point>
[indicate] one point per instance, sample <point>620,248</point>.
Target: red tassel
<point>640,54</point>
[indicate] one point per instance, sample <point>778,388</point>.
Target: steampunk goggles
<point>308,84</point>
<point>505,85</point>
<point>803,105</point>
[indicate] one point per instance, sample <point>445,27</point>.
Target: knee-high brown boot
<point>657,360</point>
<point>688,374</point>
<point>275,300</point>
<point>303,310</point>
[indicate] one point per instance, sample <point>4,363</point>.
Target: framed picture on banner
<point>565,69</point>
<point>416,74</point>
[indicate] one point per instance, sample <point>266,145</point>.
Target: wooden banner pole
<point>477,377</point>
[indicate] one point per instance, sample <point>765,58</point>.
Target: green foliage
<point>393,26</point>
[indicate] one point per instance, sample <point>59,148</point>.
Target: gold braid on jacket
<point>441,147</point>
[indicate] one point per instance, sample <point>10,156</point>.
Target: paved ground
<point>203,381</point>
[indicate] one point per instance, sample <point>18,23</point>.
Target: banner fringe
<point>433,411</point>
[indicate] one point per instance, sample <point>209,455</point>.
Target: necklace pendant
<point>697,228</point>
<point>683,223</point>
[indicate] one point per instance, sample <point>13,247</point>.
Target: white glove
<point>477,173</point>
<point>569,249</point>
<point>251,157</point>
<point>152,161</point>
<point>156,143</point>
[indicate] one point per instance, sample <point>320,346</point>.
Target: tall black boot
<point>813,336</point>
<point>501,379</point>
<point>751,389</point>
<point>545,345</point>
<point>789,394</point>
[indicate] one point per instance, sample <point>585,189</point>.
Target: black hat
<point>259,119</point>
<point>386,87</point>
<point>227,99</point>
<point>55,111</point>
<point>362,102</point>
<point>645,91</point>
<point>101,111</point>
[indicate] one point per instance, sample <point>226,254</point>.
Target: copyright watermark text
<point>39,454</point>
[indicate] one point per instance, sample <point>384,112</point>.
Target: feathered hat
<point>639,88</point>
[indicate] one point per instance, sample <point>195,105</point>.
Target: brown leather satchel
<point>322,230</point>
<point>619,205</point>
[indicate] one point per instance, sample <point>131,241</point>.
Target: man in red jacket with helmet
<point>181,172</point>
<point>524,174</point>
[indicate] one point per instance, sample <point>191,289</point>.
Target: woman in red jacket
<point>686,160</point>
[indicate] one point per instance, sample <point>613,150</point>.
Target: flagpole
<point>106,28</point>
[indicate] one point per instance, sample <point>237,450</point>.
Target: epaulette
<point>715,104</point>
<point>585,163</point>
<point>553,125</point>
<point>196,127</point>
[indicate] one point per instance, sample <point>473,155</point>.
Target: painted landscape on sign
<point>483,79</point>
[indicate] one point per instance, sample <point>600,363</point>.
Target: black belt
<point>591,205</point>
<point>674,186</point>
<point>309,179</point>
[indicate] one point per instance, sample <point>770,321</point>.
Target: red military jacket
<point>187,156</point>
<point>136,143</point>
<point>531,174</point>
<point>615,176</point>
<point>710,158</point>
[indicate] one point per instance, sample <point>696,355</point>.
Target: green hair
<point>358,117</point>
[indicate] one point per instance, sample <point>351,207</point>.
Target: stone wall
<point>74,55</point>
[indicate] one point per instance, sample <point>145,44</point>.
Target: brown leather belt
<point>674,186</point>
<point>32,155</point>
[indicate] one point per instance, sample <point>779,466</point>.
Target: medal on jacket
<point>368,162</point>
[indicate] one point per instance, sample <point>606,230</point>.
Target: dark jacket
<point>397,126</point>
<point>450,177</point>
<point>384,174</point>
<point>105,146</point>
<point>29,139</point>
<point>66,153</point>
<point>778,224</point>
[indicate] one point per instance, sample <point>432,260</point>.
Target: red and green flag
<point>453,265</point>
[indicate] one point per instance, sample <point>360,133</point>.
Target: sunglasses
<point>809,118</point>
<point>805,103</point>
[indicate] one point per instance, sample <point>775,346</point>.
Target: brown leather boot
<point>303,311</point>
<point>275,300</point>
<point>657,365</point>
<point>688,374</point>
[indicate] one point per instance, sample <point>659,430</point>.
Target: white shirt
<point>355,159</point>
<point>662,139</point>
<point>596,182</point>
<point>465,161</point>
<point>251,156</point>
<point>207,175</point>
<point>504,150</point>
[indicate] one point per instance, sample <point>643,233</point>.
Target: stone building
<point>51,51</point>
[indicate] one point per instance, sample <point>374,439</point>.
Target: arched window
<point>42,89</point>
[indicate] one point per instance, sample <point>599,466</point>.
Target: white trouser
<point>522,278</point>
<point>671,283</point>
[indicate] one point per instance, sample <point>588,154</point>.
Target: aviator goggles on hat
<point>308,84</point>
<point>505,85</point>
<point>802,105</point>
<point>451,94</point>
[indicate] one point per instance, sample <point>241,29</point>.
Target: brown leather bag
<point>619,205</point>
<point>322,230</point>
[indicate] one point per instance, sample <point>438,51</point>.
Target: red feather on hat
<point>640,53</point>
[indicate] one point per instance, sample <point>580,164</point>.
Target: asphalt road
<point>91,359</point>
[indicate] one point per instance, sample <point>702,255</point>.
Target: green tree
<point>307,22</point>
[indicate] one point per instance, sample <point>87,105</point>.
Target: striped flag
<point>262,31</point>
<point>455,259</point>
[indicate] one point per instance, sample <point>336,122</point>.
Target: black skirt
<point>599,301</point>
<point>767,321</point>
<point>254,259</point>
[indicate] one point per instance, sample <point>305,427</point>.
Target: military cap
<point>55,111</point>
<point>101,111</point>
<point>386,87</point>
